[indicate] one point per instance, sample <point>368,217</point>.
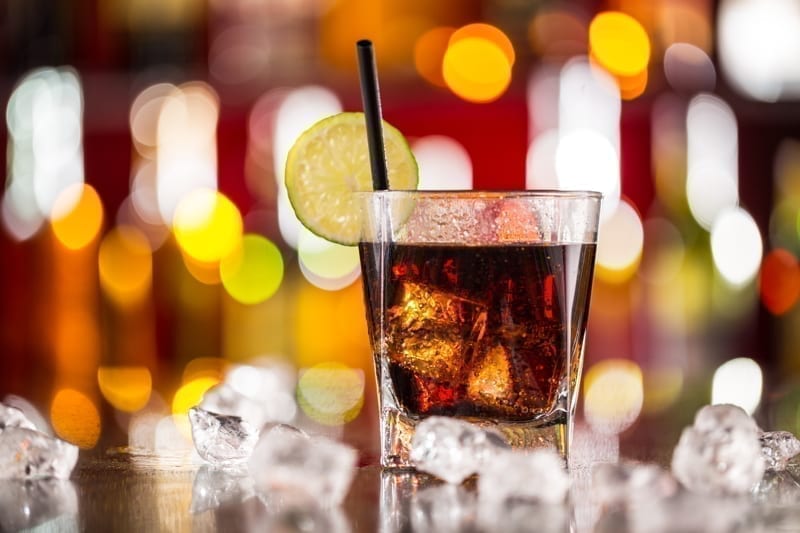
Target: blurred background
<point>147,245</point>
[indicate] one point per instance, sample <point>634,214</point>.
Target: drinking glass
<point>476,307</point>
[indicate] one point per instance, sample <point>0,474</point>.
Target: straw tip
<point>364,43</point>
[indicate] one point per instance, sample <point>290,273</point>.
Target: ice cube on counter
<point>538,476</point>
<point>721,453</point>
<point>222,439</point>
<point>451,449</point>
<point>778,448</point>
<point>29,454</point>
<point>287,459</point>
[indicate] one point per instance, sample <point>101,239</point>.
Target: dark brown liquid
<point>484,331</point>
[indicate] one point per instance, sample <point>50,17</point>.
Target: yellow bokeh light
<point>619,43</point>
<point>127,388</point>
<point>614,395</point>
<point>77,216</point>
<point>327,265</point>
<point>75,418</point>
<point>476,69</point>
<point>620,244</point>
<point>125,265</point>
<point>254,271</point>
<point>331,393</point>
<point>480,30</point>
<point>207,225</point>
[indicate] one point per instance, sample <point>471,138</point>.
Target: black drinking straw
<point>371,100</point>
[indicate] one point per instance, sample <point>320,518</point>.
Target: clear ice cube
<point>30,411</point>
<point>432,333</point>
<point>720,453</point>
<point>451,449</point>
<point>31,503</point>
<point>29,454</point>
<point>222,439</point>
<point>620,484</point>
<point>11,417</point>
<point>537,476</point>
<point>286,459</point>
<point>778,448</point>
<point>214,487</point>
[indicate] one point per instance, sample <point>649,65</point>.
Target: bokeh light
<point>331,393</point>
<point>327,265</point>
<point>127,388</point>
<point>619,43</point>
<point>77,224</point>
<point>75,418</point>
<point>253,272</point>
<point>688,68</point>
<point>614,395</point>
<point>620,243</point>
<point>186,153</point>
<point>738,382</point>
<point>758,45</point>
<point>586,160</point>
<point>477,69</point>
<point>557,33</point>
<point>779,281</point>
<point>736,246</point>
<point>712,182</point>
<point>487,32</point>
<point>540,162</point>
<point>429,53</point>
<point>125,265</point>
<point>207,225</point>
<point>144,114</point>
<point>443,163</point>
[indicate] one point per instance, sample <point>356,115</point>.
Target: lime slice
<point>329,162</point>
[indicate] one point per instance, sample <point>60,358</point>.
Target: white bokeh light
<point>759,44</point>
<point>540,163</point>
<point>736,246</point>
<point>711,158</point>
<point>620,238</point>
<point>586,160</point>
<point>738,382</point>
<point>444,164</point>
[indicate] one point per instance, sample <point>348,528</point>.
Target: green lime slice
<point>329,162</point>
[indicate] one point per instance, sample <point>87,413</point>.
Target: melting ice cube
<point>452,449</point>
<point>270,386</point>
<point>286,459</point>
<point>720,453</point>
<point>29,454</point>
<point>222,439</point>
<point>778,448</point>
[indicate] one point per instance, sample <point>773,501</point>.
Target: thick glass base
<point>399,428</point>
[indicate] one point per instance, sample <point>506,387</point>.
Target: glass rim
<point>479,193</point>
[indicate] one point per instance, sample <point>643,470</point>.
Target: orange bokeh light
<point>77,216</point>
<point>75,418</point>
<point>779,282</point>
<point>429,53</point>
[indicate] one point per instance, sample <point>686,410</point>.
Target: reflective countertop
<point>118,491</point>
